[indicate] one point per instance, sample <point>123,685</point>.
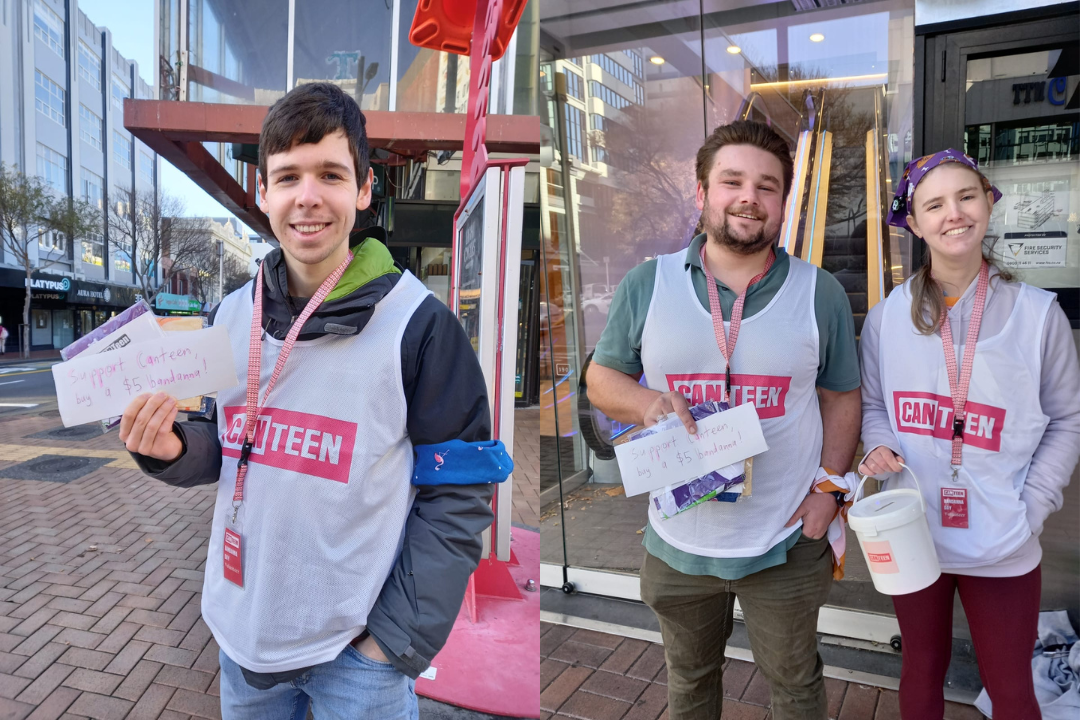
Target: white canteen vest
<point>1003,427</point>
<point>775,367</point>
<point>327,491</point>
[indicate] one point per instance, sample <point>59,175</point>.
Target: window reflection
<point>623,192</point>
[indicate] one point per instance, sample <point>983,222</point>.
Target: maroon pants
<point>1003,614</point>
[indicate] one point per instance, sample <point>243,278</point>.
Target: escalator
<point>836,209</point>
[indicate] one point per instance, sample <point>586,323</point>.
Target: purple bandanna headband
<point>916,170</point>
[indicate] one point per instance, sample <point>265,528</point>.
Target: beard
<point>721,231</point>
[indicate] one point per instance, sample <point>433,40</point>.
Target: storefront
<point>62,309</point>
<point>94,303</point>
<point>631,91</point>
<point>173,304</point>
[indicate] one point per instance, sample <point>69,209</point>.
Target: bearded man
<point>735,317</point>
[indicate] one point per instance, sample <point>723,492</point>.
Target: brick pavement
<point>527,466</point>
<point>101,580</point>
<point>585,674</point>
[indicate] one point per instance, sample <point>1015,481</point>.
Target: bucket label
<point>881,558</point>
<point>954,508</point>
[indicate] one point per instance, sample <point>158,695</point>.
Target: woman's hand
<point>881,461</point>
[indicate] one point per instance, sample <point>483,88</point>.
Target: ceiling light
<point>656,60</point>
<point>817,38</point>
<point>734,49</point>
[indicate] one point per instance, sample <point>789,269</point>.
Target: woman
<point>972,380</point>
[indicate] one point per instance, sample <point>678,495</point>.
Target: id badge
<point>234,567</point>
<point>954,508</point>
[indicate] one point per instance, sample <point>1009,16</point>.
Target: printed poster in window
<point>1032,223</point>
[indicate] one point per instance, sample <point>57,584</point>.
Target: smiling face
<point>951,211</point>
<point>742,209</point>
<point>311,195</point>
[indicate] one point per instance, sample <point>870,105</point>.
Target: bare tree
<point>237,274</point>
<point>151,232</point>
<point>29,210</point>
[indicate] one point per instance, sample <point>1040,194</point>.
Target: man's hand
<point>670,402</point>
<point>371,650</point>
<point>147,427</point>
<point>881,461</point>
<point>816,511</point>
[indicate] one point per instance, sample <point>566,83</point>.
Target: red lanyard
<point>726,344</point>
<point>958,384</point>
<point>255,365</point>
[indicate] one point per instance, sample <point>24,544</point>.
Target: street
<point>25,386</point>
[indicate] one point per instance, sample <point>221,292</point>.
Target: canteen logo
<point>928,414</point>
<point>767,393</point>
<point>293,441</point>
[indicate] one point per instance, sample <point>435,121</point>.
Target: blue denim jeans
<point>351,686</point>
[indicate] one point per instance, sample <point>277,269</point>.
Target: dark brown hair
<point>927,295</point>
<point>744,132</point>
<point>307,114</point>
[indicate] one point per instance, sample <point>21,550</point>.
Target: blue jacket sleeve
<point>447,402</point>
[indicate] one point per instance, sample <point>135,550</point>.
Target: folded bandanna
<point>460,463</point>
<point>830,483</point>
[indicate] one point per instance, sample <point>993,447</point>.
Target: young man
<point>337,564</point>
<point>794,358</point>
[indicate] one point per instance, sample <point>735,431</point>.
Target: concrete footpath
<point>101,576</point>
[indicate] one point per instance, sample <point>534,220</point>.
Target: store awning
<point>175,131</point>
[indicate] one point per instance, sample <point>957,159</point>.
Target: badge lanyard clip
<point>959,381</point>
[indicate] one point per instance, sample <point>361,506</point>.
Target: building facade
<point>858,89</point>
<point>62,91</point>
<point>195,289</point>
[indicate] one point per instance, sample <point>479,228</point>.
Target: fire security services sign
<point>1033,252</point>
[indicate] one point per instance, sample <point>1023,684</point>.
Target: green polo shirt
<point>838,368</point>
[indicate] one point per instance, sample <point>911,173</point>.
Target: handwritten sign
<point>675,456</point>
<point>91,387</point>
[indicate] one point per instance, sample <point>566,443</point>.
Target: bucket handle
<point>922,501</point>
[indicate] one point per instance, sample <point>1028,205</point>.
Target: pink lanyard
<point>255,365</point>
<point>959,387</point>
<point>726,345</point>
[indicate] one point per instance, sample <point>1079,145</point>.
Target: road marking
<point>16,369</point>
<point>7,383</point>
<point>19,405</point>
<point>24,373</point>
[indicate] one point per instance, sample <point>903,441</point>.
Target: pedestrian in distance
<point>340,548</point>
<point>677,319</point>
<point>971,379</point>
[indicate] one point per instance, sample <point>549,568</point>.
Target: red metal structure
<point>176,130</point>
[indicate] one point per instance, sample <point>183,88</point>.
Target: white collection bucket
<point>895,539</point>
